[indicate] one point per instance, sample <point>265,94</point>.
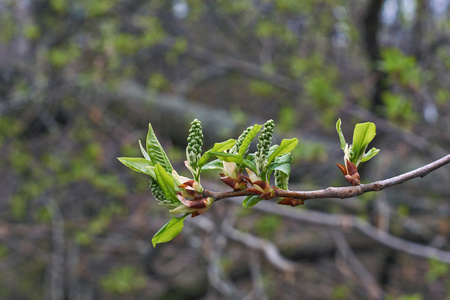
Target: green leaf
<point>249,164</point>
<point>282,163</point>
<point>144,152</point>
<point>362,136</point>
<point>286,146</point>
<point>156,152</point>
<point>230,157</point>
<point>371,153</point>
<point>218,147</point>
<point>283,167</point>
<point>170,230</point>
<point>166,183</point>
<point>248,139</point>
<point>341,135</point>
<point>282,179</point>
<point>251,201</point>
<point>139,165</point>
<point>216,164</point>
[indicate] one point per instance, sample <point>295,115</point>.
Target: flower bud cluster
<point>158,193</point>
<point>241,138</point>
<point>265,140</point>
<point>195,143</point>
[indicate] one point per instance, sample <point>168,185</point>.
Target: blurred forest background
<point>81,80</point>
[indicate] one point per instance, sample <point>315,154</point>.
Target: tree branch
<point>356,266</point>
<point>342,192</point>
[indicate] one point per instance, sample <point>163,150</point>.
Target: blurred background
<point>81,80</point>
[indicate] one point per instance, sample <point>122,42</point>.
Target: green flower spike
<point>265,140</point>
<point>194,148</point>
<point>158,193</point>
<point>240,140</point>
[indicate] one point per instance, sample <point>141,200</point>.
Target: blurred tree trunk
<point>371,29</point>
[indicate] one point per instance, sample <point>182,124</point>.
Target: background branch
<point>348,222</point>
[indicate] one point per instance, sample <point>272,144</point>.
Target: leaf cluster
<point>363,134</point>
<point>186,196</point>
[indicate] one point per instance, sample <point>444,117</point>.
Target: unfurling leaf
<point>286,146</point>
<point>371,153</point>
<point>144,153</point>
<point>341,135</point>
<point>281,180</point>
<point>216,164</point>
<point>156,152</point>
<point>248,139</point>
<point>139,165</point>
<point>282,164</point>
<point>230,157</point>
<point>218,147</point>
<point>356,152</point>
<point>166,182</point>
<point>362,136</point>
<point>251,201</point>
<point>170,230</point>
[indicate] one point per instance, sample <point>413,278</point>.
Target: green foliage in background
<point>124,280</point>
<point>79,79</point>
<point>402,69</point>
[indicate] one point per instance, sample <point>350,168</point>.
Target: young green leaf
<point>286,146</point>
<point>362,136</point>
<point>139,165</point>
<point>251,201</point>
<point>156,152</point>
<point>230,157</point>
<point>218,147</point>
<point>216,164</point>
<point>341,135</point>
<point>281,180</point>
<point>170,230</point>
<point>249,164</point>
<point>166,183</point>
<point>144,152</point>
<point>371,153</point>
<point>282,164</point>
<point>248,139</point>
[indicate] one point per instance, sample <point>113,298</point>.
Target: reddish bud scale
<point>261,188</point>
<point>350,173</point>
<point>236,184</point>
<point>291,201</point>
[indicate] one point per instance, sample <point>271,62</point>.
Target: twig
<point>57,261</point>
<point>342,192</point>
<point>258,291</point>
<point>355,264</point>
<point>269,249</point>
<point>215,271</point>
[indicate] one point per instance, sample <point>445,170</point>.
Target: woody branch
<point>342,192</point>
